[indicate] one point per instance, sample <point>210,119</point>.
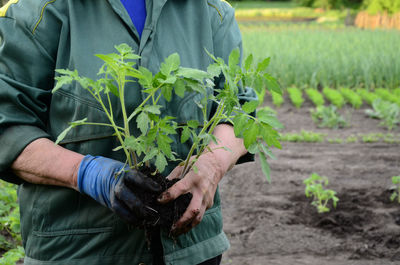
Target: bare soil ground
<point>275,223</point>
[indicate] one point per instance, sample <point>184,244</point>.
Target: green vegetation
<point>315,188</point>
<point>317,137</point>
<point>351,97</point>
<point>328,116</point>
<point>152,146</point>
<point>296,96</point>
<point>277,99</point>
<point>367,96</point>
<point>387,95</point>
<point>315,96</point>
<point>333,96</point>
<point>388,112</point>
<point>309,56</point>
<point>380,6</point>
<point>10,237</point>
<point>303,136</point>
<point>396,193</point>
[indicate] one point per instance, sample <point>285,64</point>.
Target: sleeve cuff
<point>13,141</point>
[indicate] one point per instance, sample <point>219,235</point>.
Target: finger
<point>176,173</point>
<point>191,217</point>
<point>179,188</point>
<point>134,179</point>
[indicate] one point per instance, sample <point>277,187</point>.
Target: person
<point>73,208</point>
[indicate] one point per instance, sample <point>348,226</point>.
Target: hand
<point>202,183</point>
<point>106,181</point>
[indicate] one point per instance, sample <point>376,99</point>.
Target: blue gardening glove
<point>98,177</point>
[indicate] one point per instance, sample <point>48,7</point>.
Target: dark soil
<point>164,214</point>
<point>276,224</point>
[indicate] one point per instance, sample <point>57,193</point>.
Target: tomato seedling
<point>151,145</point>
<point>315,188</point>
<point>396,192</point>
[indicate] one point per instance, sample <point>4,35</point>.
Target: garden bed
<point>276,224</point>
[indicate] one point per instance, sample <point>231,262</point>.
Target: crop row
<point>323,57</point>
<point>317,137</point>
<point>337,97</point>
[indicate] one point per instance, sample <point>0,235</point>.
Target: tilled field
<point>275,223</point>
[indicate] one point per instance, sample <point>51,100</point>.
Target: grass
<point>320,56</point>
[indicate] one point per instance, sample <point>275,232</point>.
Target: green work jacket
<point>61,226</point>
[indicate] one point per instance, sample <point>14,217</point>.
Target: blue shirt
<point>137,11</point>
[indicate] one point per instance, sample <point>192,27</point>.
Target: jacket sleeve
<point>227,38</point>
<point>26,79</point>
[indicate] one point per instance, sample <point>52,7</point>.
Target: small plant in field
<point>328,116</point>
<point>351,97</point>
<point>396,192</point>
<point>352,139</point>
<point>315,188</point>
<point>388,112</point>
<point>303,136</point>
<point>334,97</point>
<point>367,96</point>
<point>386,95</point>
<point>152,146</point>
<point>371,138</point>
<point>335,140</point>
<point>296,96</point>
<point>277,99</point>
<point>315,96</point>
<point>10,238</point>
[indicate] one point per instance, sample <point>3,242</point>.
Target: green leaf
<point>164,142</point>
<point>250,133</point>
<point>193,124</point>
<point>154,109</point>
<point>73,124</point>
<point>239,123</point>
<point>248,62</point>
<point>61,81</point>
<point>265,167</point>
<point>250,106</point>
<point>143,122</point>
<point>167,92</point>
<point>272,84</point>
<point>214,70</point>
<point>192,73</point>
<point>170,64</point>
<point>270,136</point>
<point>266,116</point>
<point>185,134</point>
<point>161,162</point>
<point>234,58</point>
<point>180,88</point>
<point>62,135</point>
<point>147,77</point>
<point>262,66</point>
<point>149,155</point>
<point>110,86</point>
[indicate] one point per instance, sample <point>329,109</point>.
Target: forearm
<point>43,162</point>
